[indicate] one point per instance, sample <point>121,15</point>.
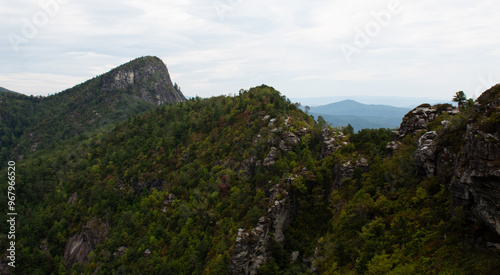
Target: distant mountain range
<point>359,115</point>
<point>397,101</point>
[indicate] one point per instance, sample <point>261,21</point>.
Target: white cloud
<point>220,46</point>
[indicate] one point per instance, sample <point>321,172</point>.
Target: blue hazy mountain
<point>360,115</point>
<point>397,101</point>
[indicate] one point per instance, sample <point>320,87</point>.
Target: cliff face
<point>476,183</point>
<point>81,245</point>
<point>252,250</point>
<point>466,151</point>
<point>147,78</point>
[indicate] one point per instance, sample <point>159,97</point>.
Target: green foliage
<point>180,180</point>
<point>394,223</point>
<point>371,142</point>
<point>460,98</point>
<point>30,124</point>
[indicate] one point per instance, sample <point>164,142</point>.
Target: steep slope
<point>250,185</point>
<point>476,183</point>
<point>167,192</point>
<point>403,216</point>
<point>31,123</point>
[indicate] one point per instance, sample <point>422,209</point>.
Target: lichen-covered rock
<point>330,142</point>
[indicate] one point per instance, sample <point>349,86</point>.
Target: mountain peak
<point>146,78</point>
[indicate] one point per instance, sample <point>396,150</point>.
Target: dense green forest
<point>29,123</point>
<point>167,192</point>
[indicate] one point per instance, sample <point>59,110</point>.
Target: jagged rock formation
<point>418,118</point>
<point>430,158</point>
<point>475,175</point>
<point>331,142</point>
<point>252,250</point>
<point>426,154</point>
<point>147,78</point>
<point>79,246</point>
<point>476,183</point>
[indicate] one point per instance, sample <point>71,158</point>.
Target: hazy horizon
<point>303,49</point>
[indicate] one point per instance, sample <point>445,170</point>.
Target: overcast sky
<point>313,48</point>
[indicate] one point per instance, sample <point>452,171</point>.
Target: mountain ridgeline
<point>360,116</point>
<point>31,123</point>
<point>250,184</point>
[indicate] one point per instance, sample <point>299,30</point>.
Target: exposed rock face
<point>79,246</point>
<point>271,157</point>
<point>476,183</point>
<point>252,250</point>
<point>426,154</point>
<point>418,118</point>
<point>290,141</point>
<point>72,199</point>
<point>330,142</point>
<point>147,78</point>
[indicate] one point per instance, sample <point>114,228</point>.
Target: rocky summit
<point>147,78</point>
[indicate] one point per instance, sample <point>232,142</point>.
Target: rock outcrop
<point>472,166</point>
<point>426,153</point>
<point>344,170</point>
<point>252,250</point>
<point>271,157</point>
<point>290,141</point>
<point>476,183</point>
<point>330,142</point>
<point>146,78</point>
<point>430,157</point>
<point>418,118</point>
<point>79,246</point>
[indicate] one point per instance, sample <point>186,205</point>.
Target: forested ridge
<point>29,123</point>
<point>174,190</point>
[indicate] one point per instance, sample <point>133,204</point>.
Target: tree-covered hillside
<point>247,184</point>
<point>28,123</point>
